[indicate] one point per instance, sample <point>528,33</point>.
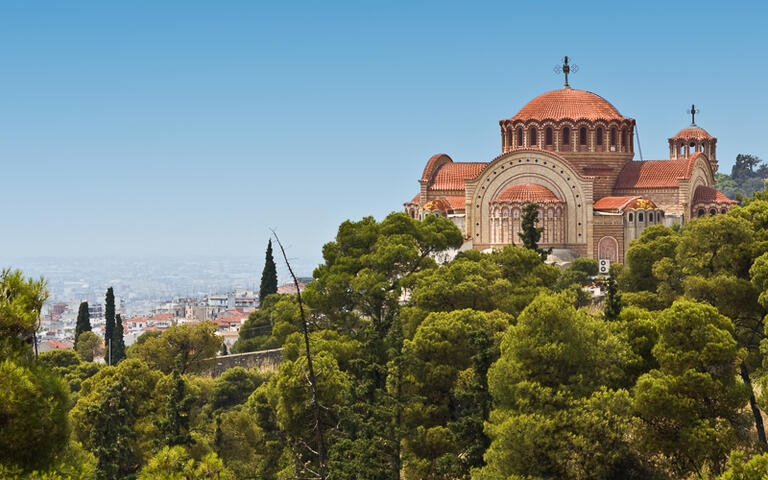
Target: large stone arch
<point>529,166</point>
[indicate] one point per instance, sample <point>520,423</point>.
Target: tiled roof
<point>451,176</point>
<point>705,194</point>
<point>416,199</point>
<point>694,133</point>
<point>55,344</point>
<point>652,174</point>
<point>432,162</point>
<point>622,203</point>
<point>448,203</point>
<point>527,192</point>
<point>568,103</point>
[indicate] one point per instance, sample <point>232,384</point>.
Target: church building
<point>571,152</point>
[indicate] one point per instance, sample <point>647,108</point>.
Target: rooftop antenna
<point>566,69</point>
<point>693,111</point>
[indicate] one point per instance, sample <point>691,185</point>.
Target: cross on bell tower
<point>693,113</point>
<point>567,69</point>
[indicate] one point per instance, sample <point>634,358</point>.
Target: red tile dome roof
<point>527,192</point>
<point>693,133</point>
<point>568,103</point>
<point>707,194</point>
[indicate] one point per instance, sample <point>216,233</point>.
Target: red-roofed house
<point>572,153</point>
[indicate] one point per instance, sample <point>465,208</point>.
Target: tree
<point>612,297</point>
<point>742,467</point>
<point>557,412</point>
<point>83,320</point>
<point>692,405</point>
<point>109,323</point>
<point>21,301</point>
<point>89,346</point>
<point>118,341</point>
<point>234,387</point>
<point>175,426</point>
<point>268,275</point>
<point>33,415</point>
<point>268,327</point>
<point>531,234</point>
<point>175,463</point>
<point>194,345</point>
<point>112,434</point>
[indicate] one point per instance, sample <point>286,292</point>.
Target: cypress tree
<point>612,299</point>
<point>111,434</point>
<point>175,427</point>
<point>268,275</point>
<point>531,234</point>
<point>83,320</point>
<point>118,342</point>
<point>109,317</point>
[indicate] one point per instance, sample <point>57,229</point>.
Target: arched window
<point>548,136</point>
<point>599,135</point>
<point>566,136</point>
<point>519,137</point>
<point>713,212</point>
<point>631,217</point>
<point>723,211</point>
<point>582,136</point>
<point>623,138</point>
<point>658,216</point>
<point>532,140</point>
<point>650,217</point>
<point>701,212</point>
<point>692,145</point>
<point>613,137</point>
<point>640,217</point>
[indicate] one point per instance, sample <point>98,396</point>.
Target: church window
<point>723,211</point>
<point>519,137</point>
<point>599,135</point>
<point>631,217</point>
<point>640,217</point>
<point>713,212</point>
<point>613,136</point>
<point>692,145</point>
<point>582,136</point>
<point>533,140</point>
<point>623,138</point>
<point>701,212</point>
<point>566,136</point>
<point>548,136</point>
<point>658,216</point>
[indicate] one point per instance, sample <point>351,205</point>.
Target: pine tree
<point>268,275</point>
<point>83,320</point>
<point>111,434</point>
<point>118,342</point>
<point>531,234</point>
<point>612,299</point>
<point>109,326</point>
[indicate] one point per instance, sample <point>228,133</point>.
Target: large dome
<point>568,103</point>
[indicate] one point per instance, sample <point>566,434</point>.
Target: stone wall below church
<point>264,361</point>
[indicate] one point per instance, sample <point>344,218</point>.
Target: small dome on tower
<point>695,133</point>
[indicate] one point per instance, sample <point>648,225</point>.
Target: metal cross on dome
<point>693,111</point>
<point>566,69</point>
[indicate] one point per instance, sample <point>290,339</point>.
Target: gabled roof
<point>656,173</point>
<point>705,194</point>
<point>622,203</point>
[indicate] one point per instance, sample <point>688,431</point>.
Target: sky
<point>184,128</point>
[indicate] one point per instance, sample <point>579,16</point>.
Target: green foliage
<point>531,234</point>
<point>268,275</point>
<point>83,323</point>
<point>89,346</point>
<point>234,387</point>
<point>111,433</point>
<point>67,364</point>
<point>742,467</point>
<point>175,463</point>
<point>691,406</point>
<point>109,321</point>
<point>657,242</point>
<point>21,301</point>
<point>577,273</point>
<point>175,426</point>
<point>613,303</point>
<point>268,327</point>
<point>33,415</point>
<point>194,346</point>
<point>118,342</point>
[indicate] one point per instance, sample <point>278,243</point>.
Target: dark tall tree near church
<point>268,275</point>
<point>83,320</point>
<point>118,342</point>
<point>109,326</point>
<point>531,234</point>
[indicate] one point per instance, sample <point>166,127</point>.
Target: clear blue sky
<point>190,127</point>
